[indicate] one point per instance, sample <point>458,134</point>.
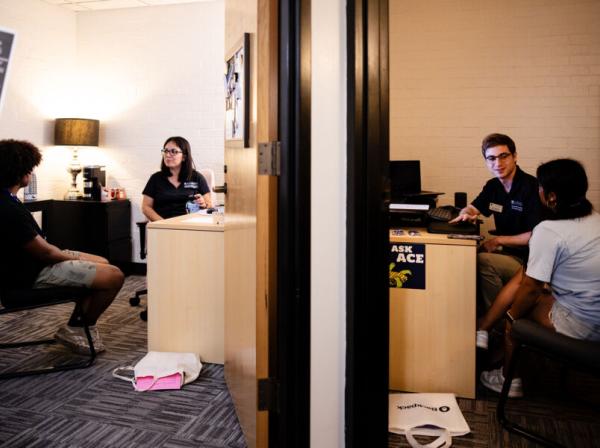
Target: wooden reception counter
<point>432,330</point>
<point>186,286</point>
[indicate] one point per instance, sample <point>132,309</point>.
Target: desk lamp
<point>75,132</point>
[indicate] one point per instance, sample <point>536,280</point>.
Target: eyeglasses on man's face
<point>501,156</point>
<point>171,152</point>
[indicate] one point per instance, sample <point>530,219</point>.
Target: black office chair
<point>136,299</point>
<point>574,353</point>
<point>29,299</point>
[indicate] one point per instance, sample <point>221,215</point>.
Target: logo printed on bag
<point>427,414</point>
<point>418,405</point>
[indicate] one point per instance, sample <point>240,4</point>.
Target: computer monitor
<point>405,178</point>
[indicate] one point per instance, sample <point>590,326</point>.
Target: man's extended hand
<point>463,216</point>
<point>491,245</point>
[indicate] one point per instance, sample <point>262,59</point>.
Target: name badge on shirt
<point>516,205</point>
<point>495,207</point>
<point>193,185</point>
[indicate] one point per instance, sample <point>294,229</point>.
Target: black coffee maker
<point>94,178</point>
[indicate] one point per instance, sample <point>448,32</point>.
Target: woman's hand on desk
<point>199,199</point>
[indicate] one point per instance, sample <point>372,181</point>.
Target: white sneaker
<point>494,379</point>
<point>75,339</point>
<point>481,340</point>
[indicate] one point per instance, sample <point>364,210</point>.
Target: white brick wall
<point>152,73</point>
<point>42,59</point>
<point>461,70</point>
<point>145,73</point>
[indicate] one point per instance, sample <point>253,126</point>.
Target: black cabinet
<point>100,228</point>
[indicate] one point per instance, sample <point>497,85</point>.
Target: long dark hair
<point>187,165</point>
<point>565,178</point>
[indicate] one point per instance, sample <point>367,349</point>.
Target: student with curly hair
<point>27,260</point>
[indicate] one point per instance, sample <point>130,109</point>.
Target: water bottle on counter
<point>30,191</point>
<point>191,206</point>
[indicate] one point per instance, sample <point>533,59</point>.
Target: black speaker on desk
<point>460,199</point>
<point>94,178</point>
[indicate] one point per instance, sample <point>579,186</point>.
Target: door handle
<point>220,188</point>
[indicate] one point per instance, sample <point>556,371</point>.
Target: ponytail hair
<point>565,178</point>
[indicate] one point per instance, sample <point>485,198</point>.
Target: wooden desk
<point>186,287</point>
<point>432,330</point>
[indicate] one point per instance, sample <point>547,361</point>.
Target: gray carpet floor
<point>90,408</point>
<point>570,417</point>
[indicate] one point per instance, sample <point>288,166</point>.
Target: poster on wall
<point>407,266</point>
<point>7,41</point>
<point>237,89</point>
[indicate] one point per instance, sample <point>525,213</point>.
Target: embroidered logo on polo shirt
<point>193,185</point>
<point>516,205</point>
<point>495,207</point>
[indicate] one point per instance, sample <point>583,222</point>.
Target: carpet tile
<point>89,408</point>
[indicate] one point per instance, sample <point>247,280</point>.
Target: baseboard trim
<point>134,268</point>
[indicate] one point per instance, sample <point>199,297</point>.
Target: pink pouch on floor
<point>144,383</point>
<point>162,370</point>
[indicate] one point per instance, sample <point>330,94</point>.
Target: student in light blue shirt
<point>564,252</point>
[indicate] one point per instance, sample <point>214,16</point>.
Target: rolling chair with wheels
<point>136,299</point>
<point>574,353</point>
<point>15,301</point>
<point>209,176</point>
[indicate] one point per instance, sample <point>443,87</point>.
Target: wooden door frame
<point>367,312</point>
<point>290,427</point>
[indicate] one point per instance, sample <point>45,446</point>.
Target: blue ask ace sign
<point>407,265</point>
<point>7,39</point>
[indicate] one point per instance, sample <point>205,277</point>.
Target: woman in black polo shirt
<point>168,190</point>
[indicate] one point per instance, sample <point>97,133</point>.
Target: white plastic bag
<point>426,414</point>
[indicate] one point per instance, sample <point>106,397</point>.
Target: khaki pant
<point>72,273</point>
<point>494,270</point>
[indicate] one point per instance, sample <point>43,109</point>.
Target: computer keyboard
<point>444,214</point>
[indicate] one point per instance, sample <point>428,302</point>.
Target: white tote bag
<point>162,370</point>
<point>436,415</point>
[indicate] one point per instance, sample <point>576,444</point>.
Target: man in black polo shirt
<point>27,260</point>
<point>512,197</point>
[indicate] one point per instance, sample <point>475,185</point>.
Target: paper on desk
<point>199,219</point>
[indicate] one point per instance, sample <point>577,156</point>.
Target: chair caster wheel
<point>134,301</point>
<point>144,315</point>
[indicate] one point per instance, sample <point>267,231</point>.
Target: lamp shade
<point>76,132</point>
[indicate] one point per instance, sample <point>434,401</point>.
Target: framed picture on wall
<point>7,40</point>
<point>237,93</point>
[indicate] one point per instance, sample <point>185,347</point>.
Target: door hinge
<point>269,158</point>
<point>268,394</point>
